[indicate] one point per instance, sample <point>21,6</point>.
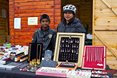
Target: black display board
<point>69,48</point>
<point>35,51</point>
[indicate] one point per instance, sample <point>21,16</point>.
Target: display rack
<point>35,52</point>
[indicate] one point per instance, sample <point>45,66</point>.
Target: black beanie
<point>44,16</point>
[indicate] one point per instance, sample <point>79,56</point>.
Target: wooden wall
<point>84,11</point>
<point>31,8</point>
<point>3,21</point>
<point>105,28</point>
<point>34,8</point>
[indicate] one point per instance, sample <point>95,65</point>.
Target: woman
<point>70,23</point>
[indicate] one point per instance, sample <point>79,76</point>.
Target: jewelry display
<point>79,74</point>
<point>94,57</point>
<point>69,49</point>
<point>35,51</point>
<point>48,71</point>
<point>100,74</point>
<point>32,66</point>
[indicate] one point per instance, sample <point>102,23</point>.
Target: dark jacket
<point>47,38</point>
<point>74,26</point>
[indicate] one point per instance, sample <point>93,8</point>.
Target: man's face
<point>45,22</point>
<point>68,16</point>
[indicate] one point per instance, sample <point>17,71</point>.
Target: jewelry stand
<point>35,52</point>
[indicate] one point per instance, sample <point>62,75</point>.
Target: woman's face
<point>68,16</point>
<point>45,22</point>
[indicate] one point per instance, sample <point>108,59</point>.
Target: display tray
<point>94,57</point>
<point>35,52</point>
<point>69,49</point>
<point>54,72</point>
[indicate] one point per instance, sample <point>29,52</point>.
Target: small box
<point>94,58</point>
<point>35,52</point>
<point>69,49</point>
<point>50,71</point>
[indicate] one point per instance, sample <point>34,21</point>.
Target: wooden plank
<point>58,6</point>
<point>57,11</point>
<point>35,11</point>
<point>100,4</point>
<point>105,12</point>
<point>106,27</point>
<point>115,10</point>
<point>108,4</point>
<point>35,7</point>
<point>32,14</point>
<point>111,58</point>
<point>111,42</point>
<point>57,2</point>
<point>113,66</point>
<point>108,34</point>
<point>24,41</point>
<point>112,62</point>
<point>24,33</point>
<point>34,3</point>
<point>108,53</point>
<point>106,21</point>
<point>31,0</point>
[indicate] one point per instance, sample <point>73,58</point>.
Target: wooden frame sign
<point>69,48</point>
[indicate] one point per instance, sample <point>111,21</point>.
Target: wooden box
<point>69,49</point>
<point>35,52</point>
<point>94,57</point>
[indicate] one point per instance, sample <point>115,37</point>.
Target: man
<point>45,35</point>
<point>70,23</point>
